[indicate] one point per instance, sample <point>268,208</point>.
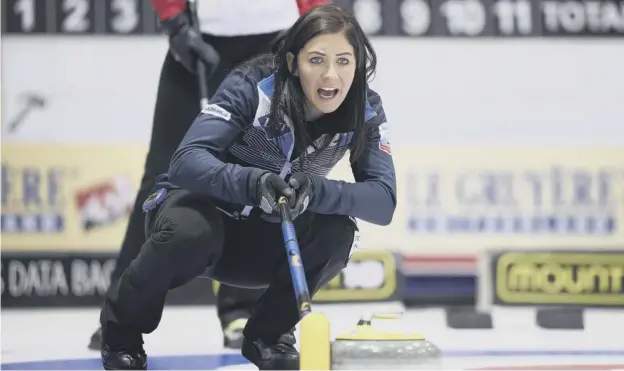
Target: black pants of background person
<point>177,105</point>
<point>189,236</point>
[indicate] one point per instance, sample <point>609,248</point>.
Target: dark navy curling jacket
<point>227,146</point>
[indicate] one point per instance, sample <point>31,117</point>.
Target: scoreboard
<point>407,18</point>
<point>79,17</point>
<point>489,18</point>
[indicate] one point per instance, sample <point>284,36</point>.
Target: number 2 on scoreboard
<point>75,16</point>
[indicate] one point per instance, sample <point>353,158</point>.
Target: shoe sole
<point>112,368</point>
<point>233,343</point>
<point>280,364</point>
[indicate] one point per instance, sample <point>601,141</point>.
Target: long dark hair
<point>321,20</point>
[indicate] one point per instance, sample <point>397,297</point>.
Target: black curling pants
<point>188,236</point>
<point>177,105</point>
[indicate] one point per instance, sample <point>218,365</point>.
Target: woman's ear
<point>292,67</point>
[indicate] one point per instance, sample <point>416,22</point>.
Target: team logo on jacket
<point>384,138</point>
<point>213,109</point>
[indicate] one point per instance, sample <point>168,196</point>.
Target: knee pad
<point>194,233</point>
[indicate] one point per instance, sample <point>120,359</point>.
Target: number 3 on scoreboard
<point>123,17</point>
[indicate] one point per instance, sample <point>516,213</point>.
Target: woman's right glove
<point>269,189</point>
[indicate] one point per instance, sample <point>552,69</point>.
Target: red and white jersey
<point>240,17</point>
<point>245,17</point>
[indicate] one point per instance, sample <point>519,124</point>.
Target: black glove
<point>186,45</point>
<point>301,183</point>
<point>269,189</point>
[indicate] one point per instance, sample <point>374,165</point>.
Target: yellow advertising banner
<point>463,200</point>
<point>68,197</point>
<point>450,200</point>
<point>564,278</point>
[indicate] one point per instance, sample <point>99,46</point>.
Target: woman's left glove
<point>302,184</point>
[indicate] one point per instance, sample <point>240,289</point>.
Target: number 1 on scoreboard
<point>24,16</point>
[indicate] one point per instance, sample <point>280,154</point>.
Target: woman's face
<point>326,67</point>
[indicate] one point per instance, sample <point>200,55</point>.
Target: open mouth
<point>326,93</point>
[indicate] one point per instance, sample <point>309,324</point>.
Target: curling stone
<point>365,347</point>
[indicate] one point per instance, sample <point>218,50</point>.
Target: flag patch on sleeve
<point>384,138</point>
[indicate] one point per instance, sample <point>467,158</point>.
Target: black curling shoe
<point>123,358</point>
<point>288,338</point>
<point>279,356</point>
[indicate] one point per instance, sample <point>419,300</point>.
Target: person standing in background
<point>232,31</point>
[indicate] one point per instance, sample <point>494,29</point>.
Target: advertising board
<point>463,200</point>
<point>371,275</point>
<point>593,278</point>
<point>61,197</point>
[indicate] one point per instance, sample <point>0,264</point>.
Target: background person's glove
<point>186,45</point>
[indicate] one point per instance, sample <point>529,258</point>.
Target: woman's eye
<point>343,61</point>
<point>316,60</point>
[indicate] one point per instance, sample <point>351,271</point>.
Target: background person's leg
<point>235,304</point>
<point>177,105</point>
